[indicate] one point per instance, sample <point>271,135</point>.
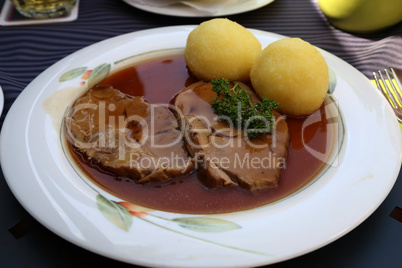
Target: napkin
<point>207,6</point>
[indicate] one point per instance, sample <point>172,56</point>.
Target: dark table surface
<point>26,51</point>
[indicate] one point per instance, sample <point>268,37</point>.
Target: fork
<point>391,91</point>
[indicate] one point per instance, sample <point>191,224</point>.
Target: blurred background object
<point>362,16</point>
<point>44,8</point>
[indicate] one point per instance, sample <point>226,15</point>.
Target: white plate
<point>43,180</point>
<point>240,6</point>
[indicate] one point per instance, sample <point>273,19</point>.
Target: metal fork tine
<point>377,82</point>
<point>398,82</point>
<point>391,96</point>
<point>393,85</point>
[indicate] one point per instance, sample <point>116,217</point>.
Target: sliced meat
<point>128,135</point>
<point>223,156</point>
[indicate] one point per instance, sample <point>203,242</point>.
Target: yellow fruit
<point>221,48</point>
<point>293,73</point>
<point>362,16</point>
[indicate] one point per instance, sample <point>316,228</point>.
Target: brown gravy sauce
<point>159,80</point>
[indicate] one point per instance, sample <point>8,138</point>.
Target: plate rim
<point>189,12</point>
<point>1,100</point>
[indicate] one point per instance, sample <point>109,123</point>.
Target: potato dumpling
<point>293,73</point>
<point>221,48</point>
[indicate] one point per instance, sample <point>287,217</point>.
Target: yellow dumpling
<point>221,48</point>
<point>293,73</point>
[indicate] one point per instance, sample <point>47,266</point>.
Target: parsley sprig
<point>234,106</point>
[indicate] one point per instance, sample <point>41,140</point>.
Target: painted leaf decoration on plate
<point>332,81</point>
<point>207,225</point>
<point>72,74</point>
<point>98,73</point>
<point>114,212</point>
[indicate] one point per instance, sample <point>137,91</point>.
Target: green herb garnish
<point>234,105</point>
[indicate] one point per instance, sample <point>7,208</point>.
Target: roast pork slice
<point>128,136</point>
<point>223,155</point>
